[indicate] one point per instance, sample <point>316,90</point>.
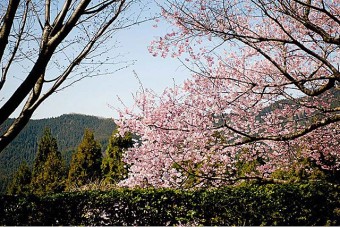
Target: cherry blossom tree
<point>264,94</point>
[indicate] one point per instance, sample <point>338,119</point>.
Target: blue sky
<point>94,96</point>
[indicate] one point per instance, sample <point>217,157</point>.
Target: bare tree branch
<point>102,18</point>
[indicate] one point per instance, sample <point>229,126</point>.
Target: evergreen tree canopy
<point>47,144</point>
<point>21,181</point>
<point>49,168</point>
<point>69,131</point>
<point>113,167</point>
<point>86,162</point>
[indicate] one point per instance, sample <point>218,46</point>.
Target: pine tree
<point>47,144</point>
<point>114,169</point>
<point>49,169</point>
<point>86,162</point>
<point>20,184</point>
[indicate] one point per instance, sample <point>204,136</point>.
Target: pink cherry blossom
<point>267,89</point>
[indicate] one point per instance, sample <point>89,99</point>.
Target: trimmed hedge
<point>303,204</point>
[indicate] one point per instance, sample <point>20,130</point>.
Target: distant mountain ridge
<point>68,129</point>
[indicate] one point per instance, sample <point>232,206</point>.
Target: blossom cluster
<point>268,97</point>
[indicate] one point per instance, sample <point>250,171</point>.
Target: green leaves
<point>114,169</point>
<point>49,169</point>
<point>86,162</point>
<point>288,204</point>
<point>21,181</point>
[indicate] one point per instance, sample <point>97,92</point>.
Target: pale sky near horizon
<point>94,96</point>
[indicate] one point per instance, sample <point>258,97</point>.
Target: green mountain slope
<point>67,129</point>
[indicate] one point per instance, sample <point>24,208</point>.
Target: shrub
<point>291,204</point>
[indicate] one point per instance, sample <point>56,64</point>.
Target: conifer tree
<point>21,181</point>
<point>114,169</point>
<point>48,169</point>
<point>47,144</point>
<point>86,162</point>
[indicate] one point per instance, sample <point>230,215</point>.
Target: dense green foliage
<point>67,129</point>
<point>21,182</point>
<point>287,204</point>
<point>86,162</point>
<point>48,175</point>
<point>114,169</point>
<point>87,166</point>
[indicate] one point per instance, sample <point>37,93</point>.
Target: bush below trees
<point>286,204</point>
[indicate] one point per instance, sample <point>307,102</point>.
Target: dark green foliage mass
<point>46,146</point>
<point>286,204</point>
<point>86,162</point>
<point>21,181</point>
<point>67,129</point>
<point>114,169</point>
<point>48,175</point>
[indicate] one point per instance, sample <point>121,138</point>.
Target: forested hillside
<point>67,129</point>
